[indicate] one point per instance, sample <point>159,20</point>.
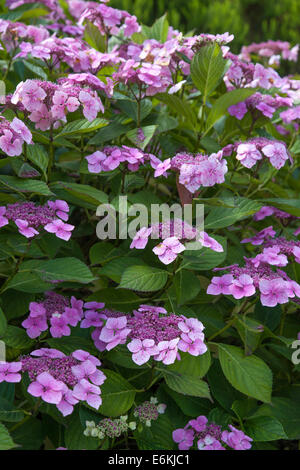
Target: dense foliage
<point>248,20</point>
<point>118,332</point>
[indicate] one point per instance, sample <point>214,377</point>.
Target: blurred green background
<point>249,20</point>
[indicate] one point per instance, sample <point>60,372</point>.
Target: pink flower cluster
<point>209,436</point>
<point>48,103</point>
<point>110,20</point>
<point>267,105</point>
<point>274,51</point>
<point>28,217</point>
<point>58,311</point>
<point>11,33</point>
<point>150,332</point>
<point>240,73</point>
<point>290,115</point>
<point>153,65</point>
<point>174,234</point>
<point>195,171</point>
<point>275,250</point>
<point>246,74</point>
<point>74,52</point>
<point>275,287</point>
<point>149,411</point>
<point>13,135</point>
<point>64,380</point>
<point>110,158</point>
<point>284,217</point>
<point>253,150</point>
<point>153,77</point>
<point>267,211</point>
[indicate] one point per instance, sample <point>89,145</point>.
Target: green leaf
<point>207,69</point>
<point>221,389</point>
<point>287,411</point>
<point>103,252</point>
<point>181,107</point>
<point>9,412</point>
<point>17,338</point>
<point>117,395</point>
<point>222,104</point>
<point>220,217</point>
<point>30,435</point>
<point>6,441</point>
<point>268,316</point>
<point>36,69</point>
<point>81,126</point>
<point>74,437</point>
<point>7,391</point>
<point>296,147</point>
<point>264,428</point>
<point>210,145</point>
<point>190,406</point>
<point>24,186</point>
<point>159,29</point>
<point>120,299</point>
<point>28,282</point>
<point>110,132</point>
<point>251,333</point>
<point>248,374</point>
<point>205,258</point>
<point>187,286</point>
<point>23,169</point>
<point>3,323</point>
<point>185,384</point>
<point>81,195</point>
<point>244,408</point>
<point>130,108</point>
<point>63,269</point>
<point>93,37</point>
<point>188,385</point>
<point>158,436</point>
<point>133,136</point>
<point>164,122</point>
<point>38,155</point>
<point>191,365</point>
<point>16,305</point>
<point>143,278</point>
<point>69,344</point>
<point>116,267</point>
<point>37,12</point>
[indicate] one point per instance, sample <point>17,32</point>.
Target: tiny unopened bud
<point>90,424</point>
<point>140,427</point>
<point>94,432</point>
<point>161,408</point>
<point>132,425</point>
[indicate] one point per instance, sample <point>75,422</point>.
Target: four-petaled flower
<point>46,387</point>
<point>168,250</point>
<point>9,372</point>
<point>142,350</point>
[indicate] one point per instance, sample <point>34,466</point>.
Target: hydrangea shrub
<point>190,342</point>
